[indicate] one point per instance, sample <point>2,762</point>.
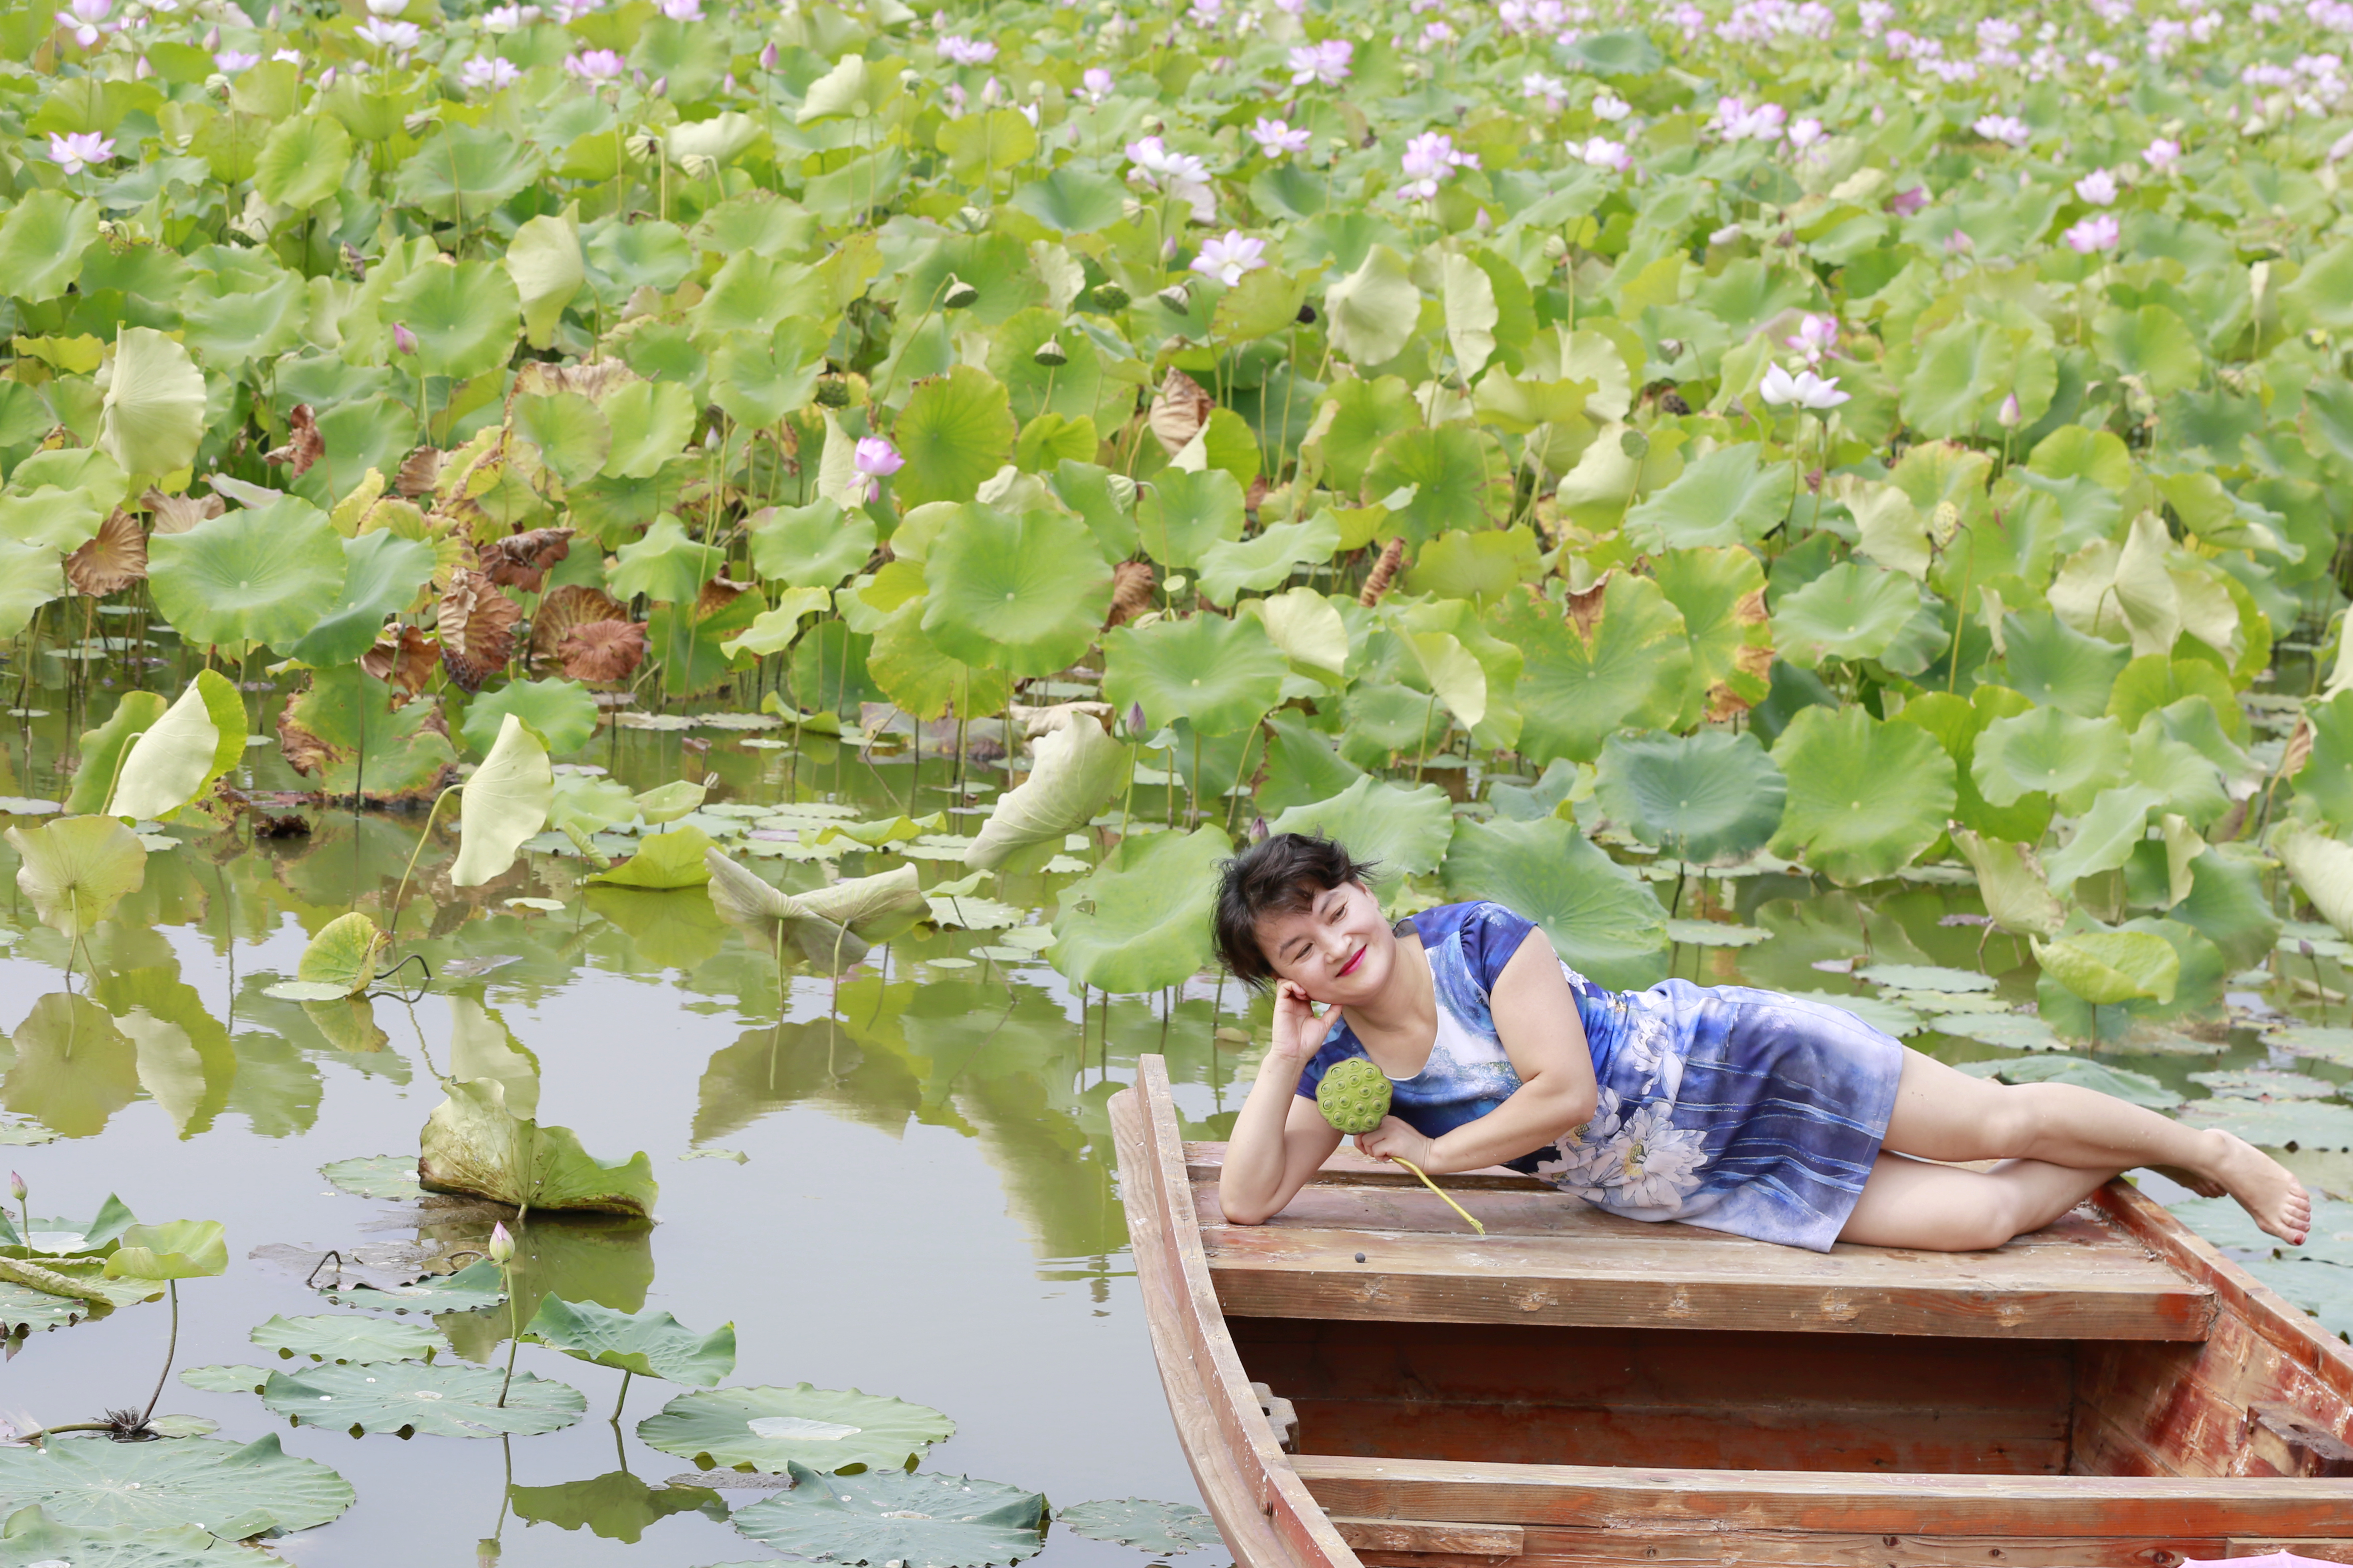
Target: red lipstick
<point>1350,967</point>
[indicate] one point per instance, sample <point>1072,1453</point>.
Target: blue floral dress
<point>1734,1108</point>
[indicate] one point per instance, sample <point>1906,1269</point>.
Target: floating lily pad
<point>225,1379</point>
<point>25,1134</point>
<point>648,1344</point>
<point>347,1340</point>
<point>375,1176</point>
<point>21,1307</point>
<point>67,1238</point>
<point>2265,1083</point>
<point>923,1520</point>
<point>1162,1528</point>
<point>2016,1031</point>
<point>2324,1289</point>
<point>2048,1068</point>
<point>409,1397</point>
<point>1707,933</point>
<point>31,1539</point>
<point>1944,1004</point>
<point>2223,1222</point>
<point>2328,1045</point>
<point>470,1289</point>
<point>840,1430</point>
<point>204,1483</point>
<point>2277,1123</point>
<point>1925,977</point>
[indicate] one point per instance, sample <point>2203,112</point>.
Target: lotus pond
<point>652,618</point>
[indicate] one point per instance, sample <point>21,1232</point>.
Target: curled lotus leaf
<point>76,869</point>
<point>202,1483</point>
<point>1601,918</point>
<point>177,1250</point>
<point>664,861</point>
<point>504,802</point>
<point>648,1344</point>
<point>473,1143</point>
<point>2108,968</point>
<point>443,1399</point>
<point>766,914</point>
<point>174,759</point>
<point>923,1520</point>
<point>771,1428</point>
<point>347,955</point>
<point>153,416</point>
<point>1075,769</point>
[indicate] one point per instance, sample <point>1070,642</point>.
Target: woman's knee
<point>2017,1116</point>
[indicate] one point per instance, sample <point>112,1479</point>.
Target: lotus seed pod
<point>832,394</point>
<point>1176,297</point>
<point>959,293</point>
<point>1051,354</point>
<point>1353,1096</point>
<point>1110,297</point>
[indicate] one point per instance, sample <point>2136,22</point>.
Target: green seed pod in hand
<point>1353,1096</point>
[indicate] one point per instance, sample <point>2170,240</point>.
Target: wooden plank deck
<point>1548,1258</point>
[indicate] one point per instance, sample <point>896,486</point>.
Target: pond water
<point>902,1182</point>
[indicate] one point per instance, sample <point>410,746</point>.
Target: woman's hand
<point>1298,1034</point>
<point>1393,1140</point>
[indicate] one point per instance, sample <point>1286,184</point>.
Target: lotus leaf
<point>375,1175</point>
<point>1600,916</point>
<point>1850,612</point>
<point>74,1066</point>
<point>41,244</point>
<point>1708,797</point>
<point>30,577</point>
<point>76,869</point>
<point>617,1505</point>
<point>650,420</point>
<point>201,1483</point>
<point>344,729</point>
<point>811,546</point>
<point>924,1521</point>
<point>1374,308</point>
<point>1402,832</point>
<point>2106,836</point>
<point>2265,1083</point>
<point>2107,967</point>
<point>473,1288</point>
<point>1307,629</point>
<point>62,1237</point>
<point>1620,660</point>
<point>344,958</point>
<point>473,1143</point>
<point>664,861</point>
<point>1923,977</point>
<point>340,1339</point>
<point>2010,880</point>
<point>175,759</point>
<point>1220,676</point>
<point>1162,1528</point>
<point>408,1397</point>
<point>31,1539</point>
<point>154,412</point>
<point>178,1250</point>
<point>1721,595</point>
<point>2228,906</point>
<point>266,575</point>
<point>544,260</point>
<point>466,315</point>
<point>829,1430</point>
<point>1727,497</point>
<point>2050,751</point>
<point>647,1343</point>
<point>1185,516</point>
<point>2321,865</point>
<point>1142,920</point>
<point>1021,591</point>
<point>1715,933</point>
<point>1075,769</point>
<point>504,802</point>
<point>2276,1124</point>
<point>2136,1087</point>
<point>383,574</point>
<point>302,161</point>
<point>955,432</point>
<point>1866,797</point>
<point>562,714</point>
<point>1267,561</point>
<point>1958,724</point>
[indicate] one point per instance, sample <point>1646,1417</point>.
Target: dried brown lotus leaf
<point>603,651</point>
<point>590,380</point>
<point>403,659</point>
<point>563,609</point>
<point>1178,411</point>
<point>476,625</point>
<point>1131,592</point>
<point>523,560</point>
<point>304,444</point>
<point>177,514</point>
<point>418,471</point>
<point>111,561</point>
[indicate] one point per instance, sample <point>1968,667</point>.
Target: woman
<point>1737,1109</point>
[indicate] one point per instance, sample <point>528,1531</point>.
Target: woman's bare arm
<point>1536,1020</point>
<point>1280,1139</point>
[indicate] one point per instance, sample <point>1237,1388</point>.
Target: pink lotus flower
<point>596,67</point>
<point>1735,121</point>
<point>1430,159</point>
<point>86,21</point>
<point>231,61</point>
<point>1610,106</point>
<point>1805,389</point>
<point>1096,84</point>
<point>401,36</point>
<point>1603,154</point>
<point>1227,259</point>
<point>682,10</point>
<point>1276,139</point>
<point>2099,232</point>
<point>1808,133</point>
<point>291,57</point>
<point>1815,337</point>
<point>492,73</point>
<point>2006,128</point>
<point>957,50</point>
<point>76,151</point>
<point>2098,187</point>
<point>878,459</point>
<point>402,339</point>
<point>1326,63</point>
<point>2162,155</point>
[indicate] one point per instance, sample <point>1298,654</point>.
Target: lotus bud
<point>2010,413</point>
<point>728,85</point>
<point>1136,718</point>
<point>661,86</point>
<point>1110,297</point>
<point>2304,946</point>
<point>1635,445</point>
<point>326,78</point>
<point>768,58</point>
<point>402,339</point>
<point>142,71</point>
<point>832,394</point>
<point>1555,249</point>
<point>959,294</point>
<point>17,1188</point>
<point>1176,297</point>
<point>503,1246</point>
<point>486,1551</point>
<point>1050,355</point>
<point>212,40</point>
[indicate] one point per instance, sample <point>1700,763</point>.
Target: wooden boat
<point>1364,1381</point>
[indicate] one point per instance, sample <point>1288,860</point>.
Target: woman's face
<point>1338,949</point>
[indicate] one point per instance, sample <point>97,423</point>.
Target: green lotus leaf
<point>915,672</point>
<point>31,1539</point>
<point>1072,201</point>
<point>771,1428</point>
<point>1962,372</point>
<point>617,1505</point>
<point>1307,629</point>
<point>302,160</point>
<point>1021,591</point>
<point>1162,1528</point>
<point>1351,423</point>
<point>2184,779</point>
<point>664,861</point>
<point>177,1250</point>
<point>2150,343</point>
<point>2229,905</point>
<point>1711,796</point>
<point>234,317</point>
<point>561,712</point>
<point>75,869</point>
<point>74,1066</point>
<point>175,760</point>
<point>811,546</point>
<point>473,1288</point>
<point>1267,561</point>
<point>543,258</point>
<point>1374,310</point>
<point>925,1520</point>
<point>466,316</point>
<point>668,803</point>
<point>1483,566</point>
<point>1075,771</point>
<point>1600,918</point>
<point>1620,660</point>
<point>447,1399</point>
<point>1403,831</point>
<point>383,574</point>
<point>66,1237</point>
<point>2105,839</point>
<point>1182,517</point>
<point>266,575</point>
<point>153,416</point>
<point>2276,1124</point>
<point>651,421</point>
<point>461,171</point>
<point>2321,865</point>
<point>1142,920</point>
<point>375,1175</point>
<point>760,377</point>
<point>1457,477</point>
<point>365,743</point>
<point>30,577</point>
<point>503,802</point>
<point>201,1483</point>
<point>1220,676</point>
<point>343,1338</point>
<point>2107,967</point>
<point>1866,797</point>
<point>2051,753</point>
<point>647,1343</point>
<point>1849,612</point>
<point>2055,666</point>
<point>572,434</point>
<point>41,244</point>
<point>1729,497</point>
<point>1958,723</point>
<point>473,1143</point>
<point>955,432</point>
<point>665,565</point>
<point>344,958</point>
<point>2134,1087</point>
<point>2154,684</point>
<point>2018,899</point>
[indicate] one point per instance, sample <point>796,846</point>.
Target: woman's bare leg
<point>1944,1208</point>
<point>1944,1114</point>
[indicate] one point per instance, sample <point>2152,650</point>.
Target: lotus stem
<point>401,897</point>
<point>171,1349</point>
<point>1449,1202</point>
<point>626,1376</point>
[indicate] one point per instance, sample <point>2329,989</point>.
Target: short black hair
<point>1278,875</point>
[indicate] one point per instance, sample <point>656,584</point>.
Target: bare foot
<point>2266,1189</point>
<point>2204,1186</point>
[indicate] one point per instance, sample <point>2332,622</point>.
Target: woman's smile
<point>1350,967</point>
